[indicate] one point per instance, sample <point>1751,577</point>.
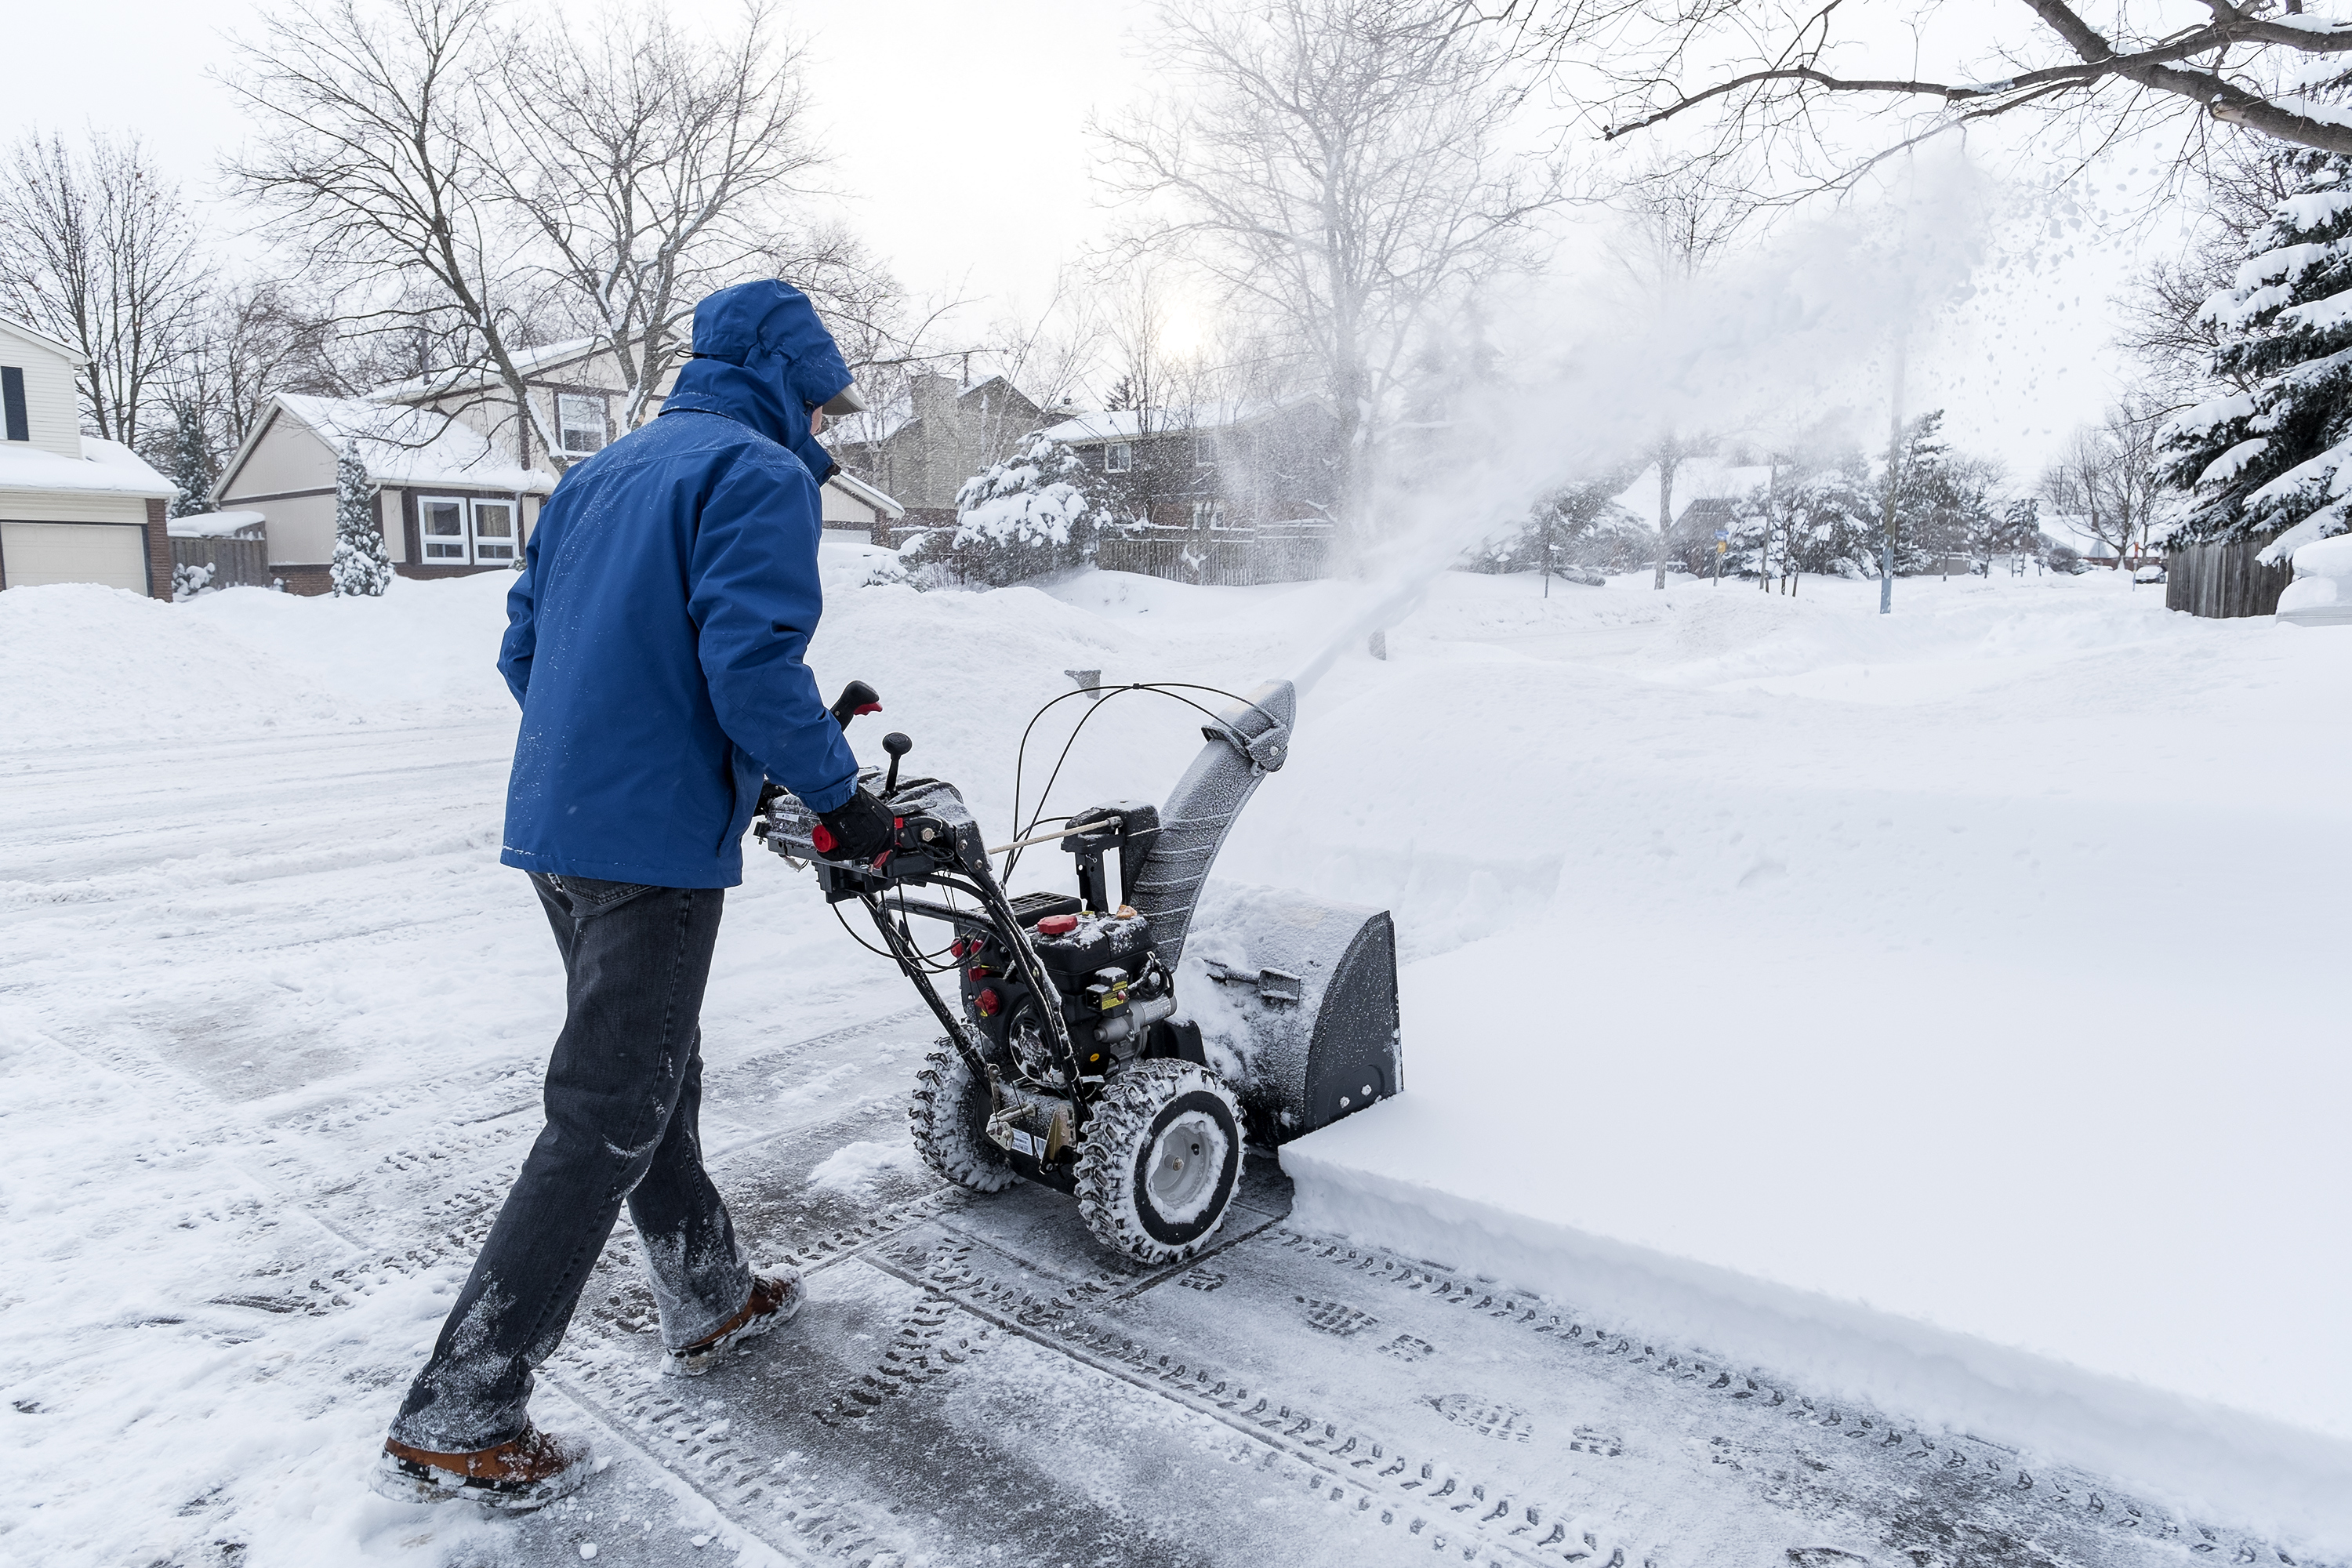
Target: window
<point>1117,457</point>
<point>1207,514</point>
<point>494,532</point>
<point>579,423</point>
<point>12,394</point>
<point>458,533</point>
<point>441,528</point>
<point>1205,448</point>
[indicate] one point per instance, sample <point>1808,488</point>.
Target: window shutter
<point>12,395</point>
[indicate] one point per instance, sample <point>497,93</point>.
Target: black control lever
<point>897,745</point>
<point>856,697</point>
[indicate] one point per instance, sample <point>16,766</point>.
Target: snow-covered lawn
<point>1940,1007</point>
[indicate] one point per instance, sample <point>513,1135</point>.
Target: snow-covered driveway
<point>271,1022</point>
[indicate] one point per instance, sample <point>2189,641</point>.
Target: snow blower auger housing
<point>1070,1060</point>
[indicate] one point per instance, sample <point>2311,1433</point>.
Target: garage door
<point>114,554</point>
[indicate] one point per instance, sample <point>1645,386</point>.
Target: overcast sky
<point>959,133</point>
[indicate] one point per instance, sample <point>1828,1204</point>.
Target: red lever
<point>869,708</point>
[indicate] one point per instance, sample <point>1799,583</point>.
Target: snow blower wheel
<point>1070,1063</point>
<point>949,1120</point>
<point>1156,1171</point>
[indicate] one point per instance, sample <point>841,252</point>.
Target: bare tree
<point>1763,69</point>
<point>1336,168</point>
<point>2165,324</point>
<point>372,151</point>
<point>649,164</point>
<point>97,250</point>
<point>2105,475</point>
<point>1680,218</point>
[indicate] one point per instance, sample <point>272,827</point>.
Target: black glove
<point>859,828</point>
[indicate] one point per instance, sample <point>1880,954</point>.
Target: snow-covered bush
<point>2280,456</point>
<point>188,579</point>
<point>1817,516</point>
<point>1580,528</point>
<point>361,564</point>
<point>1028,516</point>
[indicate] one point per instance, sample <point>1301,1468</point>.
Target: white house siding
<point>52,407</point>
<point>71,506</point>
<point>841,509</point>
<point>287,458</point>
<point>301,530</point>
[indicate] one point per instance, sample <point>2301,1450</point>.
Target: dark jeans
<point>623,1090</point>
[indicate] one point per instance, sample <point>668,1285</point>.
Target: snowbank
<point>1924,1007</point>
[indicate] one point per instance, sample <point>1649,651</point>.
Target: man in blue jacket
<point>655,641</point>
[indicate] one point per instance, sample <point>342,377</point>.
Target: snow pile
<point>856,1166</point>
<point>90,665</point>
<point>1921,1008</point>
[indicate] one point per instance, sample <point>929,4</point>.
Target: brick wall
<point>159,550</point>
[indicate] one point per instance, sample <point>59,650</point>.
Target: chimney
<point>933,397</point>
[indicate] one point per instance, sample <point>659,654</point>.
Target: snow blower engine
<point>1071,1062</point>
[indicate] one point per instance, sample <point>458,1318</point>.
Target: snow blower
<point>1071,1062</point>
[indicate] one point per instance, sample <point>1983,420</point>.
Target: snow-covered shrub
<point>1028,516</point>
<point>2064,559</point>
<point>2280,456</point>
<point>361,564</point>
<point>1580,528</point>
<point>188,579</point>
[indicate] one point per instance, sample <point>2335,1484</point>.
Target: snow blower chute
<point>1072,1062</point>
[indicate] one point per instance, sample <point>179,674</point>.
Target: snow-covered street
<point>1812,1021</point>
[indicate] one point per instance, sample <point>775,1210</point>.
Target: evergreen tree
<point>2280,456</point>
<point>361,564</point>
<point>184,455</point>
<point>1579,531</point>
<point>1817,517</point>
<point>1028,516</point>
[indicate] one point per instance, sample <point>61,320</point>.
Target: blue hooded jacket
<point>655,637</point>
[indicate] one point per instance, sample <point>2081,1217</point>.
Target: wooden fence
<point>236,562</point>
<point>1234,560</point>
<point>2222,582</point>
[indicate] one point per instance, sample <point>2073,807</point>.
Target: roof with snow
<point>1130,424</point>
<point>475,378</point>
<point>404,446</point>
<point>1696,478</point>
<point>850,485</point>
<point>108,468</point>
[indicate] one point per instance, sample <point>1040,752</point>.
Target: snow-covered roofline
<point>1128,424</point>
<point>476,378</point>
<point>398,445</point>
<point>850,485</point>
<point>105,467</point>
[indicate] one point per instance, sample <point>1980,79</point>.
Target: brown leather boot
<point>529,1473</point>
<point>775,1298</point>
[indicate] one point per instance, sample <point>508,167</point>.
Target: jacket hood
<point>762,358</point>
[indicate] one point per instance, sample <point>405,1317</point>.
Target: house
<point>1232,466</point>
<point>850,504</point>
<point>448,498</point>
<point>921,447</point>
<point>453,497</point>
<point>73,508</point>
<point>576,390</point>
